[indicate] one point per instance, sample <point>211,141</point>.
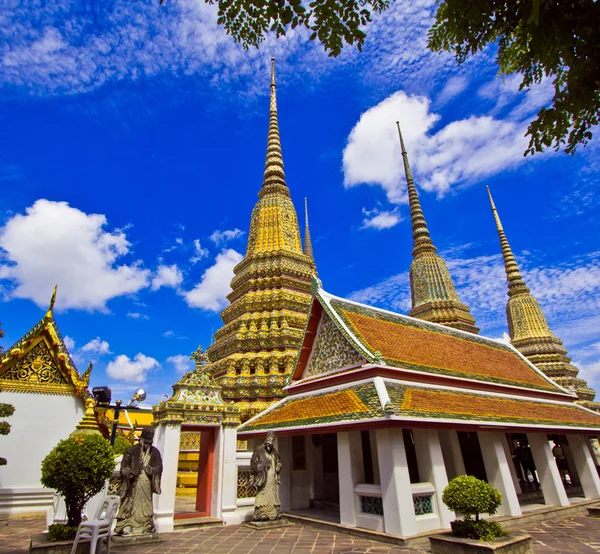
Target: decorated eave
<point>363,367</point>
<point>40,362</point>
<point>379,402</point>
<point>196,400</point>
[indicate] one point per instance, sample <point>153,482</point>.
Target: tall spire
<point>274,174</point>
<point>529,330</point>
<point>254,352</point>
<point>308,249</point>
<point>50,312</point>
<point>433,294</point>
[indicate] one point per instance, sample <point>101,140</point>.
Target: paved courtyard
<point>579,534</point>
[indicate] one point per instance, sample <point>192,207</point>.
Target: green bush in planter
<point>61,532</point>
<point>470,497</point>
<point>77,468</point>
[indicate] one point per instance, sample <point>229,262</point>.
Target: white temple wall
<point>586,468</point>
<point>40,421</point>
<point>550,481</point>
<point>166,439</point>
<point>453,458</point>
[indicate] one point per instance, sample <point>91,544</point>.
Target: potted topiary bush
<point>470,497</point>
<point>77,468</point>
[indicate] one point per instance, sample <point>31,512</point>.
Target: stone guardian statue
<point>265,467</point>
<point>141,470</point>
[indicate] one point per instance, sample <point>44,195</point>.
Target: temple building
<point>529,331</point>
<point>38,377</point>
<point>254,353</point>
<point>384,409</point>
<point>433,294</point>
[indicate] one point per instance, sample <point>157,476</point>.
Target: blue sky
<point>132,146</point>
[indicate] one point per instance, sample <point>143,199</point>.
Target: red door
<point>205,471</point>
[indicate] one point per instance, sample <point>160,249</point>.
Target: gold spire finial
<point>49,313</point>
<point>308,249</point>
<point>529,331</point>
<point>421,239</point>
<point>274,174</point>
<point>516,284</point>
<point>433,294</point>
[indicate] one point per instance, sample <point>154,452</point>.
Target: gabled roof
<point>381,402</point>
<point>399,341</point>
<point>39,362</point>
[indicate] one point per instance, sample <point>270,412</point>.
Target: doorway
<point>199,504</point>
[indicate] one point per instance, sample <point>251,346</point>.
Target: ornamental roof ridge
<point>61,356</point>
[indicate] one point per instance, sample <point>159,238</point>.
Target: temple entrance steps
<point>195,522</point>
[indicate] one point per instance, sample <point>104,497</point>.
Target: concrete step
<point>195,522</point>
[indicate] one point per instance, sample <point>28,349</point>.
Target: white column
<point>167,441</point>
<point>284,447</point>
<point>398,510</point>
<point>229,480</point>
<point>550,481</point>
<point>511,464</point>
<point>584,463</point>
<point>350,473</point>
<point>432,470</point>
<point>497,468</point>
<point>455,465</point>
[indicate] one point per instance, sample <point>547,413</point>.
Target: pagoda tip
<point>52,301</point>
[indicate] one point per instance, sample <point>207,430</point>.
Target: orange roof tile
<point>415,345</point>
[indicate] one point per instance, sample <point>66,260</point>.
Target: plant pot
<point>511,544</point>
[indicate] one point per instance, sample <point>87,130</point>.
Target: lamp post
<point>103,397</point>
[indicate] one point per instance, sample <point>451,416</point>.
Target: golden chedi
<point>254,352</point>
<point>433,294</point>
<point>529,331</point>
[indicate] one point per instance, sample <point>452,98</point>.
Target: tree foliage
<point>471,496</point>
<point>77,468</point>
<point>538,39</point>
<point>333,22</point>
<point>6,410</point>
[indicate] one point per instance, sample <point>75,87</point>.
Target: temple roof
<point>397,341</point>
<point>381,402</point>
<point>39,362</point>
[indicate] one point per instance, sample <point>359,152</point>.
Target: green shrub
<point>77,468</point>
<point>6,410</point>
<point>121,444</point>
<point>471,496</point>
<point>482,530</point>
<point>61,532</point>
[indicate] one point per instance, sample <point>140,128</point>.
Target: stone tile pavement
<point>579,534</point>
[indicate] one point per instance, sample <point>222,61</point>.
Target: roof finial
<point>421,239</point>
<point>274,173</point>
<point>308,249</point>
<point>49,313</point>
<point>516,283</point>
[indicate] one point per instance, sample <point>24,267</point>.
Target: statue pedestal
<point>267,525</point>
<point>134,540</point>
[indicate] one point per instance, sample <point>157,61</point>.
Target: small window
<point>298,453</point>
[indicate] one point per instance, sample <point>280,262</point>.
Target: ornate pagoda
<point>529,331</point>
<point>433,294</point>
<point>254,352</point>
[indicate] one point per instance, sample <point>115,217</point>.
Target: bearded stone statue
<point>265,467</point>
<point>141,470</point>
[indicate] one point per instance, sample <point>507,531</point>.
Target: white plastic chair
<point>100,528</point>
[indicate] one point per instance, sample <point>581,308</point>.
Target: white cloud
<point>211,292</point>
<point>200,252</point>
<point>97,347</point>
<point>173,335</point>
<point>462,152</point>
<point>54,243</point>
<point>69,343</point>
<point>124,368</point>
<point>453,87</point>
<point>222,237</point>
<point>376,219</point>
<point>167,276</point>
<point>137,315</point>
<point>181,363</point>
